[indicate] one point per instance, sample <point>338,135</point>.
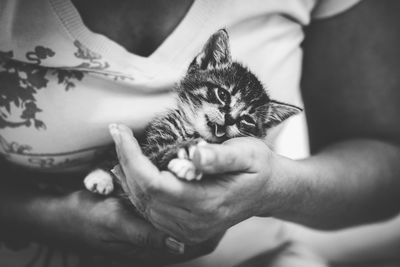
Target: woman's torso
<point>69,75</point>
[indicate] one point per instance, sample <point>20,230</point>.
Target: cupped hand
<point>234,187</point>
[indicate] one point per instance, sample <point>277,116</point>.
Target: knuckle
<point>186,234</point>
<point>219,212</point>
<point>181,227</point>
<point>177,232</point>
<point>230,159</point>
<point>152,187</point>
<point>214,210</point>
<point>250,157</point>
<point>197,233</point>
<point>196,238</point>
<point>251,153</point>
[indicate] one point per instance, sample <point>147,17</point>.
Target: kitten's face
<point>225,103</point>
<point>222,99</point>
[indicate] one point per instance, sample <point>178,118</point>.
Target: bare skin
<point>139,26</point>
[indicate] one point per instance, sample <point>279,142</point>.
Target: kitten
<point>218,99</point>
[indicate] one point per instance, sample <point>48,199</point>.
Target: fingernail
<point>124,128</point>
<point>114,132</point>
<point>206,156</point>
<point>174,246</point>
<point>117,171</point>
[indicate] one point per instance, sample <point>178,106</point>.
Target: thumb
<point>223,158</point>
<point>134,164</point>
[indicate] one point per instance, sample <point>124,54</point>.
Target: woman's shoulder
<point>329,8</point>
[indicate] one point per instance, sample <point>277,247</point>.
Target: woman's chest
<point>139,26</point>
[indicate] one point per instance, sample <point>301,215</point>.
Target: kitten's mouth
<point>218,130</point>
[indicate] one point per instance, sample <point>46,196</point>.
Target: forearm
<point>348,183</point>
<point>29,213</point>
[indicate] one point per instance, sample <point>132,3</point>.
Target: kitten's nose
<point>229,120</point>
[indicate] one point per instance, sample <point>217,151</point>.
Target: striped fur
<point>217,100</point>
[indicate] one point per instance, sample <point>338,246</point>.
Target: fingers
<point>177,228</point>
<point>136,173</point>
<point>142,234</point>
<point>137,168</point>
<point>148,187</point>
<point>139,177</point>
<point>233,156</point>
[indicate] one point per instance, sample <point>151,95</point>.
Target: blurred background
<point>369,245</point>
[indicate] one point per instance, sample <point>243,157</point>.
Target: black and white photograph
<point>199,133</point>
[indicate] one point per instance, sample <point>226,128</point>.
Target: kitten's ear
<point>278,112</point>
<point>215,53</point>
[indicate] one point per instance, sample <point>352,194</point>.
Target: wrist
<point>43,216</point>
<point>26,212</point>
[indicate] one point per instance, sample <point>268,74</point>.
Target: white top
<point>62,84</point>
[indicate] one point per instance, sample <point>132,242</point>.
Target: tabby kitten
<point>218,99</point>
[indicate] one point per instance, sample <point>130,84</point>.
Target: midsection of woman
<point>56,119</point>
<point>69,75</point>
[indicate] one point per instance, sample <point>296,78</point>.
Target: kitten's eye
<point>246,119</point>
<point>222,95</point>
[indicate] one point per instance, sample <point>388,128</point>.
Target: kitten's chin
<point>216,134</point>
<point>206,132</point>
<point>212,132</point>
<point>209,136</point>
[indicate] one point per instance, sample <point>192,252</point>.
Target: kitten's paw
<point>184,169</point>
<point>187,152</point>
<point>100,182</point>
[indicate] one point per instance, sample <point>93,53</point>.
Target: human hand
<point>240,171</point>
<point>105,225</point>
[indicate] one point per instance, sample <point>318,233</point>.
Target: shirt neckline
<point>166,53</point>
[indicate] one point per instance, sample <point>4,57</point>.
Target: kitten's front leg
<point>99,181</point>
<point>183,166</point>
